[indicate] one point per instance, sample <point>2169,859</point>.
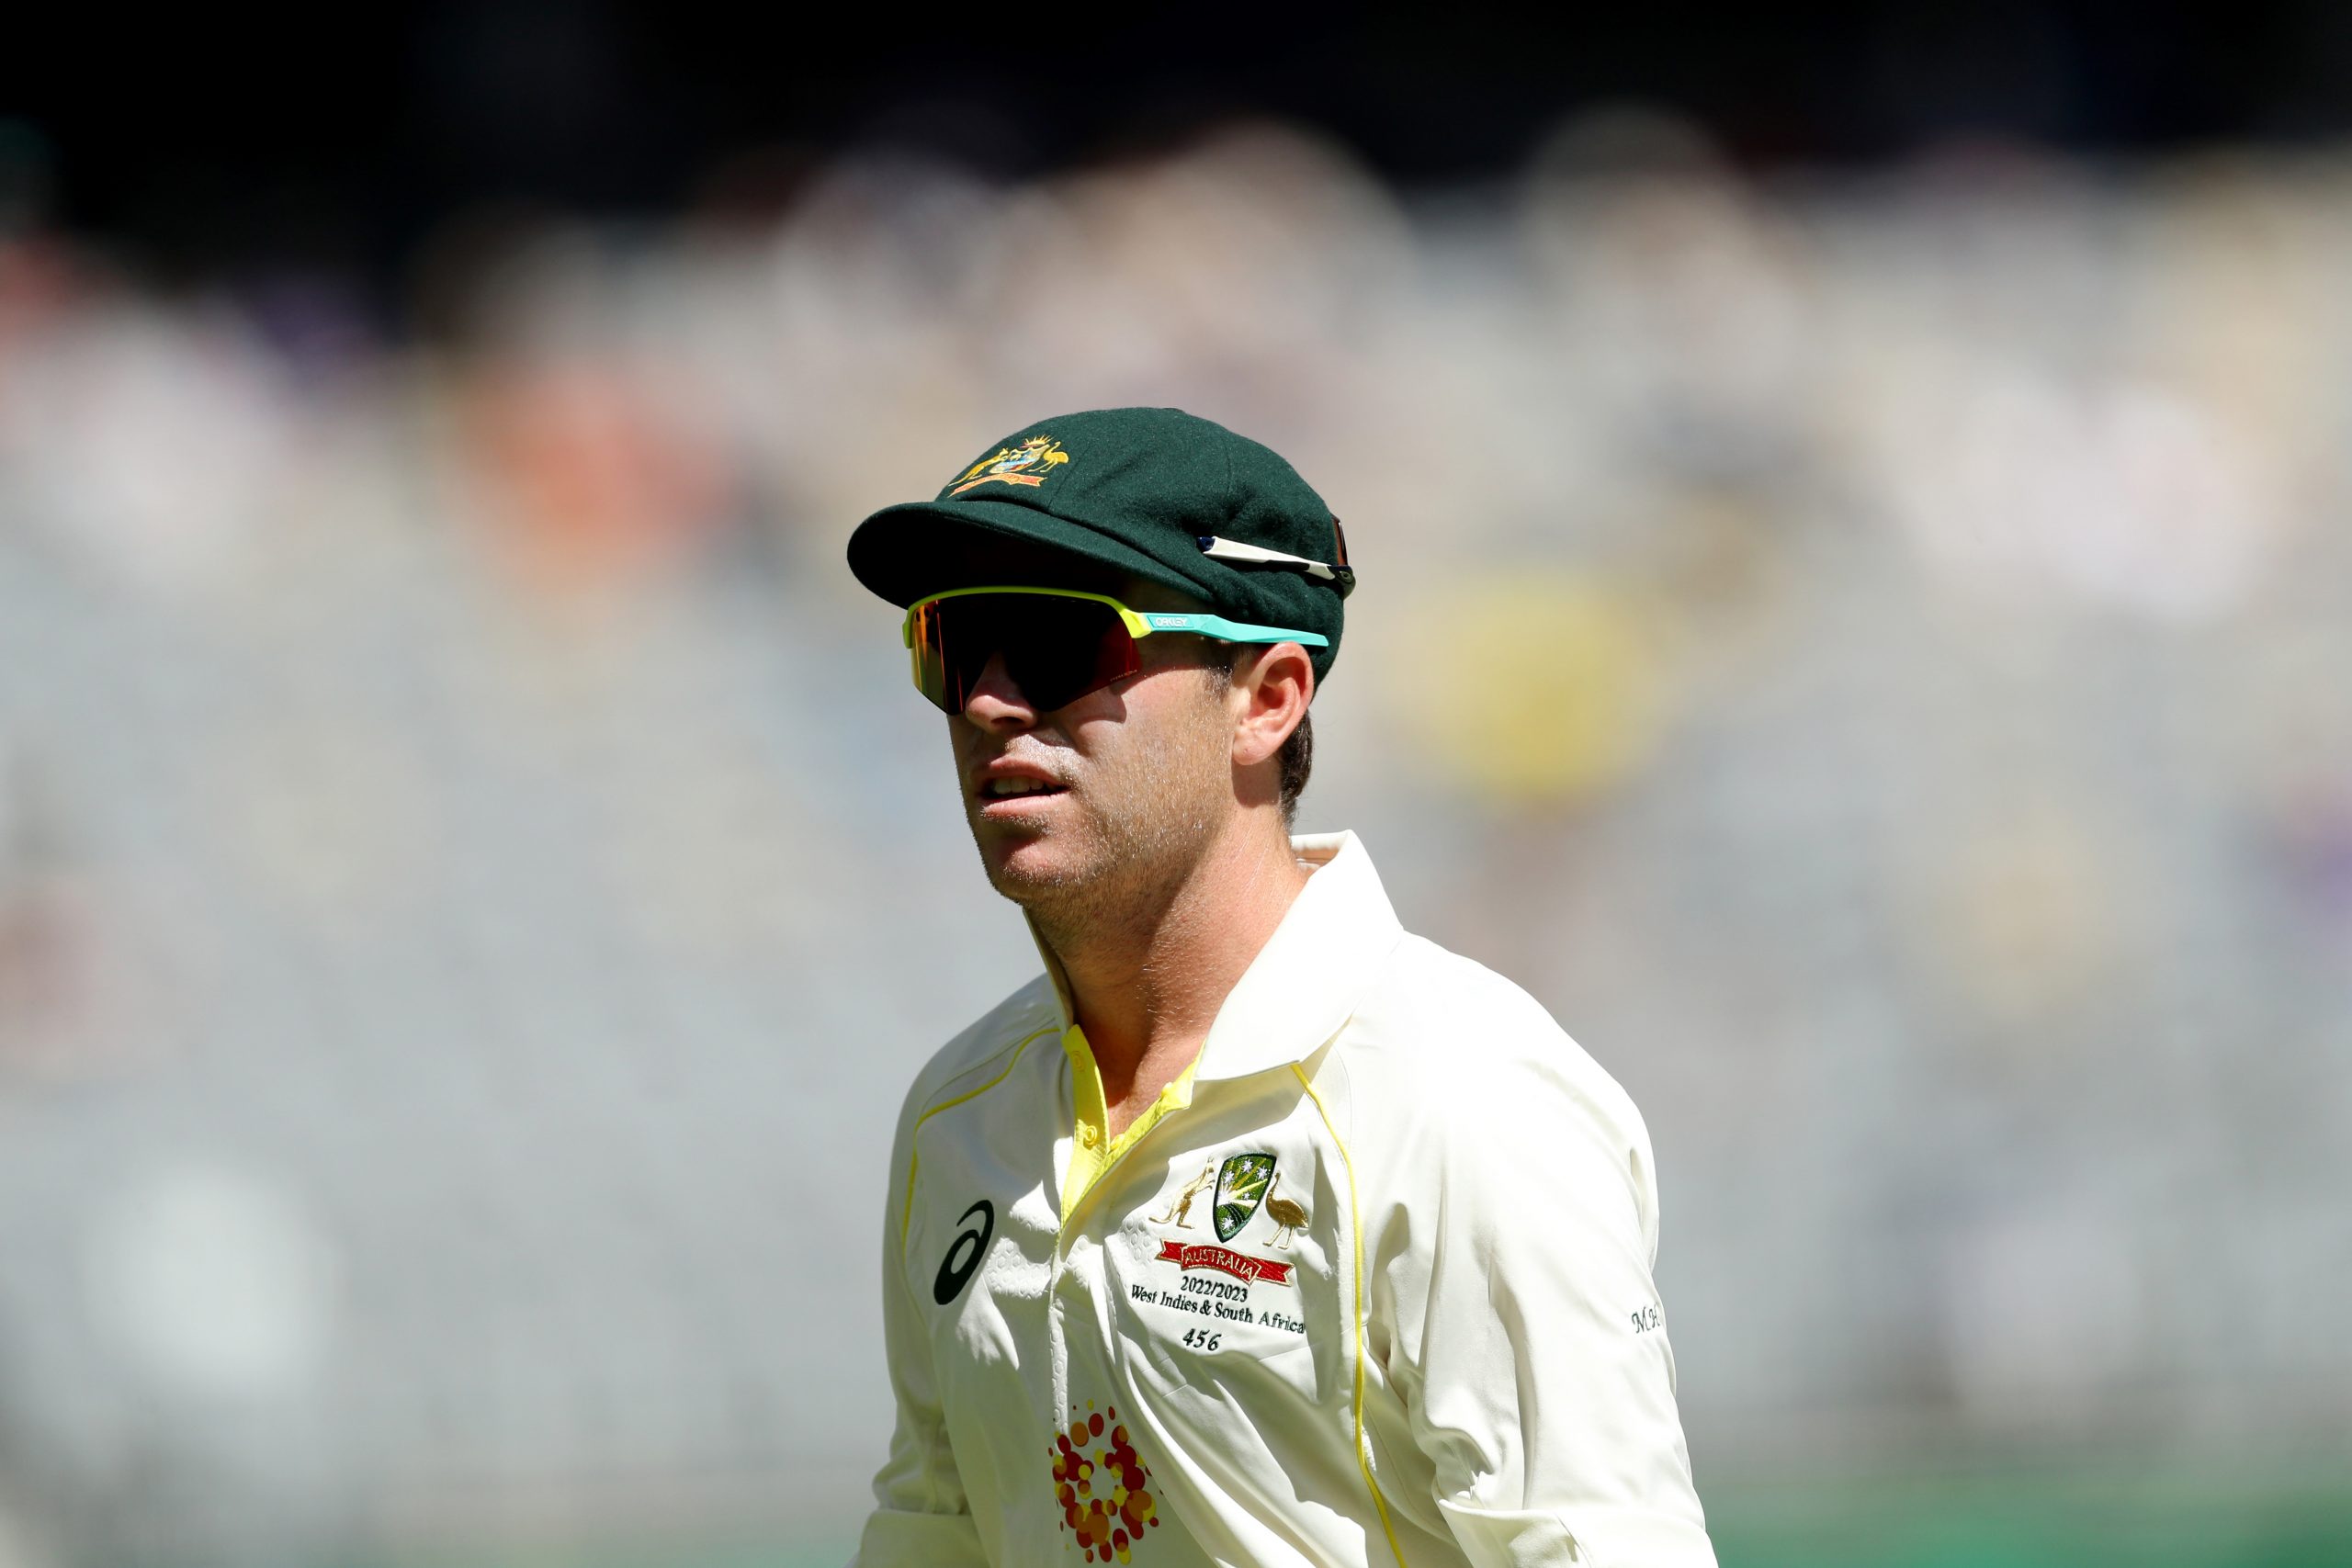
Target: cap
<point>1163,494</point>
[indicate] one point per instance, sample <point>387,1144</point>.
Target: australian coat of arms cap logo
<point>1241,1187</point>
<point>1028,464</point>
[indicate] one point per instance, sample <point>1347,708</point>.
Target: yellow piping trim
<point>1355,1214</point>
<point>914,1147</point>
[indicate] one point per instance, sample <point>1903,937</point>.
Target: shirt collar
<point>1306,982</point>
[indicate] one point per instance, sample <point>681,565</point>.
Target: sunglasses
<point>1059,643</point>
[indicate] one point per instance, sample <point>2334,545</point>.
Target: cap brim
<point>920,548</point>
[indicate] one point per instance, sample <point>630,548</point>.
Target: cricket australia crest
<point>1241,1187</point>
<point>1031,462</point>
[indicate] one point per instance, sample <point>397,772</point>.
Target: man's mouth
<point>1016,795</point>
<point>998,789</point>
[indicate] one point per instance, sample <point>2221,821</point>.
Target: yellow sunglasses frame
<point>1140,622</point>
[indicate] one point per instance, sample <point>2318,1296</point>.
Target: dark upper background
<point>201,143</point>
<point>1866,650</point>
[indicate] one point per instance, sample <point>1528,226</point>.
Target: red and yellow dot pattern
<point>1104,1489</point>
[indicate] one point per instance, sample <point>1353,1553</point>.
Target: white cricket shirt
<point>1370,1283</point>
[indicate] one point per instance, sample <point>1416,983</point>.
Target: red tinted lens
<point>928,629</point>
<point>1056,649</point>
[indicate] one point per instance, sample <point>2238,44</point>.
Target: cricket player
<point>1256,1229</point>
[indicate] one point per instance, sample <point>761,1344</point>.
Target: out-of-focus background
<point>1856,610</point>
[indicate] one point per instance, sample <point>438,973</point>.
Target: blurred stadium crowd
<point>1868,652</point>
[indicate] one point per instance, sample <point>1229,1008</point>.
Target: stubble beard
<point>1177,793</point>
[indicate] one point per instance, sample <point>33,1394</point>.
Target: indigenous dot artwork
<point>1104,1487</point>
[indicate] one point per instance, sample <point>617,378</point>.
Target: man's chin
<point>1024,867</point>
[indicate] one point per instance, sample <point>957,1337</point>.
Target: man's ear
<point>1271,686</point>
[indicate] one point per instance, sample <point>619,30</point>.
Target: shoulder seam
<point>935,1102</point>
<point>914,1131</point>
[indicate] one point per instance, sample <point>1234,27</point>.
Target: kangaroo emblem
<point>1179,1208</point>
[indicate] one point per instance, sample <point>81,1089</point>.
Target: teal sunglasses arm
<point>1141,623</point>
<point>1227,631</point>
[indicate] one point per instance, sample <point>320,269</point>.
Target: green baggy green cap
<point>1158,493</point>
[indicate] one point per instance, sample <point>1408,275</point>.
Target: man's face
<point>1141,770</point>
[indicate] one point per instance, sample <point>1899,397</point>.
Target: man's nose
<point>996,702</point>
